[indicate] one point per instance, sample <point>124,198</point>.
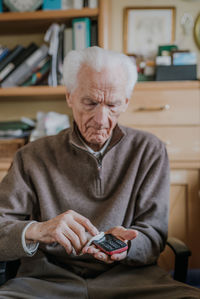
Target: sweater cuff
<point>30,248</point>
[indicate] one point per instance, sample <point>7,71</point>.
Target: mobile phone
<point>110,244</point>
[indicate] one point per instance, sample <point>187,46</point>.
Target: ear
<point>68,99</point>
<point>125,105</point>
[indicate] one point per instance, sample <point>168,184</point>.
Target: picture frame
<point>197,31</point>
<point>145,28</point>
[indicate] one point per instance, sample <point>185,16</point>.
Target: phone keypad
<point>110,243</point>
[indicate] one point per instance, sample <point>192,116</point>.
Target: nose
<point>101,116</point>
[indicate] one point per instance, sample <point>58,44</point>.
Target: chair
<point>8,270</point>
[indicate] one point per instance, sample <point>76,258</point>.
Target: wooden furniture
<point>7,150</point>
<point>26,27</point>
<point>39,21</point>
<point>171,110</point>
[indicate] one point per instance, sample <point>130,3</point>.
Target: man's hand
<point>119,232</point>
<point>68,229</point>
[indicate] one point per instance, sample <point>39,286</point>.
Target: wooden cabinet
<point>7,151</point>
<point>171,111</point>
<point>4,166</point>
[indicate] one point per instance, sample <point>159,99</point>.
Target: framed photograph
<point>145,28</point>
<point>197,31</point>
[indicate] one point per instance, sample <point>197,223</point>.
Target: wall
<point>182,6</point>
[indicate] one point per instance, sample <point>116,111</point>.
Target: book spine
<point>4,53</point>
<point>19,75</point>
<point>17,61</point>
<point>94,34</point>
<point>36,76</point>
<point>92,3</point>
<point>52,4</point>
<point>81,33</point>
<point>67,41</point>
<point>11,56</point>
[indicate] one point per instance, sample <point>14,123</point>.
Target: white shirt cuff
<point>29,248</point>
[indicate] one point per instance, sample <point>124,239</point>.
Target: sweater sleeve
<point>16,206</point>
<point>151,211</point>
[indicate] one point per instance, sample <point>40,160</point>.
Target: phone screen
<point>110,244</point>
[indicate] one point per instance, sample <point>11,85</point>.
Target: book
<point>81,33</point>
<point>92,3</point>
<point>85,3</point>
<point>60,53</point>
<point>41,71</point>
<point>78,4</point>
<point>52,4</point>
<point>5,51</point>
<point>20,74</point>
<point>14,52</point>
<point>67,4</point>
<point>11,66</point>
<point>94,33</point>
<point>52,37</point>
<point>67,42</point>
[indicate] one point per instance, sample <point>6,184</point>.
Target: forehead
<point>112,80</point>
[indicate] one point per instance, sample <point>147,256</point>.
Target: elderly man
<point>96,176</point>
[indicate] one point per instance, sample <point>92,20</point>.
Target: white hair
<point>98,59</point>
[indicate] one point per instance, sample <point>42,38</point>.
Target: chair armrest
<point>2,272</point>
<point>182,254</point>
<point>8,270</point>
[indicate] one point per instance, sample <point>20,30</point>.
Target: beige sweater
<point>54,174</point>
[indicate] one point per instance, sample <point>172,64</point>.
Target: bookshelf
<point>39,21</point>
<point>19,27</point>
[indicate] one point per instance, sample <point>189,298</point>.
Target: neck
<point>94,147</point>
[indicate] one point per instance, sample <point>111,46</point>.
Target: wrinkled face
<point>97,103</point>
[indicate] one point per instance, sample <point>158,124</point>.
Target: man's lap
<point>118,282</point>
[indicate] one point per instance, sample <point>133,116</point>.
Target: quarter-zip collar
<point>74,138</point>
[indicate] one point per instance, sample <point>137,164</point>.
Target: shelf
<point>36,93</point>
<point>33,22</point>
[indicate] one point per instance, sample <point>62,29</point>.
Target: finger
<point>92,250</point>
<point>103,257</point>
<point>123,233</point>
<point>79,230</point>
<point>119,256</point>
<point>129,234</point>
<point>73,238</point>
<point>89,248</point>
<point>86,223</point>
<point>62,240</point>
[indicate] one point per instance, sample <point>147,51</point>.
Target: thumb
<point>129,234</point>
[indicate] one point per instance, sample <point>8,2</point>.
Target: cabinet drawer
<point>182,143</point>
<point>162,107</point>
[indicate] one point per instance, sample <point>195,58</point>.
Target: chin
<point>98,140</point>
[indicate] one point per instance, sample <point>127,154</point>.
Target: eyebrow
<point>89,98</point>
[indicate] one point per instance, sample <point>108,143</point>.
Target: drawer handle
<point>151,109</point>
